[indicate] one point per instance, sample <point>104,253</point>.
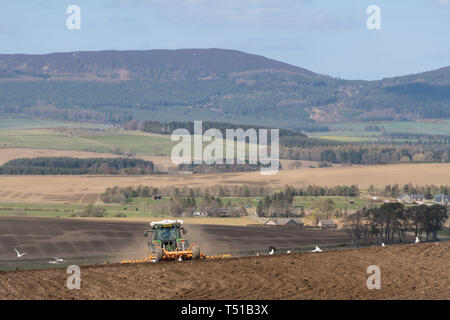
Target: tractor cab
<point>166,235</point>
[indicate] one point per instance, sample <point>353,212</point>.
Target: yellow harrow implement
<point>167,244</point>
<point>173,256</point>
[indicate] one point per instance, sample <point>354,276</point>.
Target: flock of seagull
<point>54,260</point>
<point>317,249</point>
<point>271,252</point>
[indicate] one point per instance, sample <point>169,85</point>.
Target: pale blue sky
<point>328,37</point>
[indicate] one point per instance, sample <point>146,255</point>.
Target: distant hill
<point>161,65</point>
<point>438,77</point>
<point>209,84</point>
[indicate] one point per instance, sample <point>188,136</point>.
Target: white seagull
<point>317,249</point>
<point>271,251</point>
<point>417,240</point>
<point>56,261</point>
<point>19,255</point>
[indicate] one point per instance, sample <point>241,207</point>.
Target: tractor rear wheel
<point>158,254</point>
<point>195,252</point>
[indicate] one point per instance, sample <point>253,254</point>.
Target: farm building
<point>442,199</point>
<point>220,212</point>
<point>418,197</point>
<point>411,198</point>
<point>328,223</point>
<point>376,200</point>
<point>199,214</point>
<point>288,222</point>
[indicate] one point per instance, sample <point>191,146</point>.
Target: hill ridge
<point>219,85</point>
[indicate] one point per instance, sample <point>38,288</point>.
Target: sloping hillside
<point>160,65</point>
<point>208,84</point>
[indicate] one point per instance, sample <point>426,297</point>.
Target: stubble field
<point>86,189</point>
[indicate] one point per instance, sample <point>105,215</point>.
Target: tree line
<point>77,166</point>
<point>368,153</point>
<point>182,203</point>
<point>280,203</point>
<point>206,205</point>
<point>168,127</point>
<point>214,168</point>
<point>66,114</point>
<point>395,190</point>
<point>274,97</point>
<point>277,205</point>
<point>295,145</point>
<point>391,222</point>
<point>123,194</point>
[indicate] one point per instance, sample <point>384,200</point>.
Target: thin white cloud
<point>6,30</point>
<point>445,4</point>
<point>241,12</point>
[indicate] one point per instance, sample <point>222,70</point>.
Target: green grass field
<point>48,139</point>
<point>441,128</point>
<point>340,202</point>
<point>68,210</point>
<point>29,133</point>
<point>347,138</point>
<point>94,141</point>
<point>21,124</point>
<point>236,201</point>
<point>125,212</point>
<point>355,132</point>
<point>305,202</point>
<point>142,207</point>
<point>134,141</point>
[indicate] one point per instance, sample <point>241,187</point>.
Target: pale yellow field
<point>163,162</point>
<point>85,189</point>
<point>7,154</point>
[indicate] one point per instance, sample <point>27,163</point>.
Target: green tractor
<point>167,242</point>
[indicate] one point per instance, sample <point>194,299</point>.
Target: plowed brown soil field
<point>413,271</point>
<point>113,241</point>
